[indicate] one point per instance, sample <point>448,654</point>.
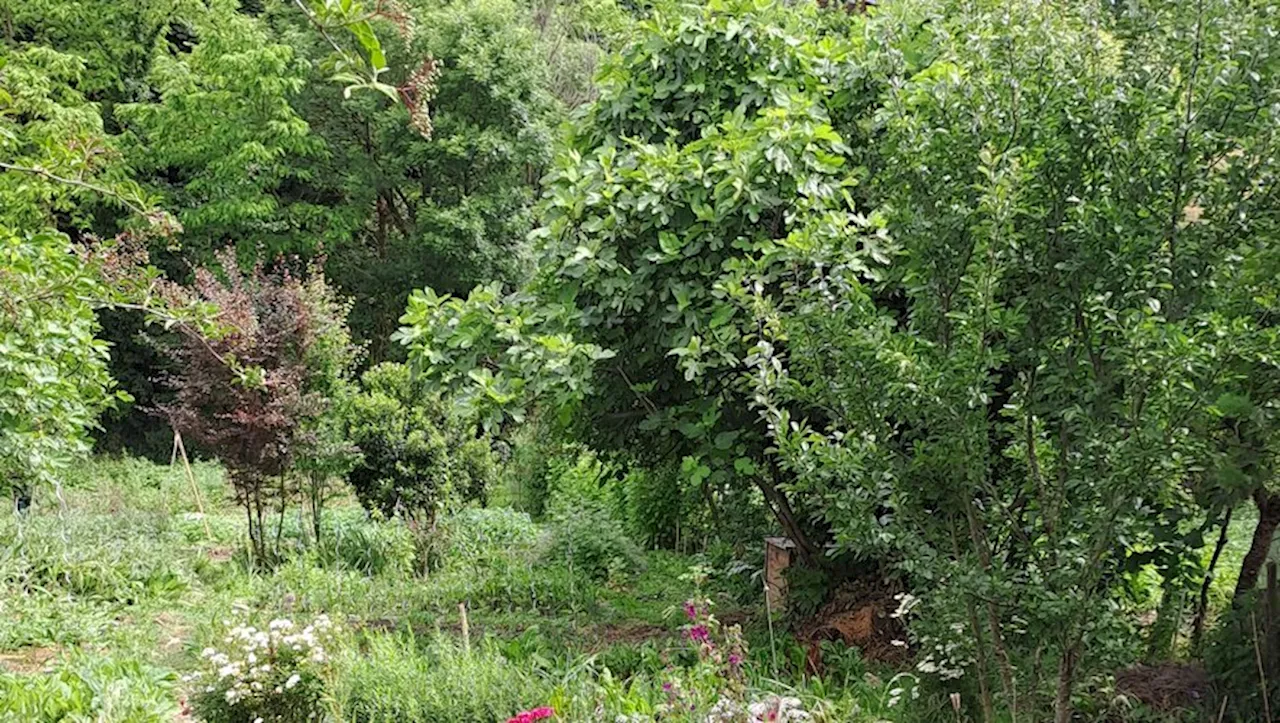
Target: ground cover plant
<point>584,360</point>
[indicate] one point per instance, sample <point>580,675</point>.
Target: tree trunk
<point>777,501</point>
<point>317,506</point>
<point>1251,567</point>
<point>1066,682</point>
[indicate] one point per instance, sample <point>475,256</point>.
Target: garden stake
<point>768,613</point>
<point>179,447</point>
<point>1262,673</point>
<point>466,631</point>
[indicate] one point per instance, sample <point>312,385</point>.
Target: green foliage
<point>947,311</point>
<point>475,537</point>
<point>415,459</point>
<point>590,539</point>
<point>53,371</point>
<point>451,211</point>
<point>88,688</point>
<point>1016,407</point>
<point>717,141</point>
<point>352,541</point>
<point>588,517</point>
<point>222,108</point>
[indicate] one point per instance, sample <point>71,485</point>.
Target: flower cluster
<point>782,709</point>
<point>773,709</point>
<point>529,716</point>
<point>946,657</point>
<point>701,630</point>
<point>267,675</point>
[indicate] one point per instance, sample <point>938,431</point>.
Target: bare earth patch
<point>28,660</point>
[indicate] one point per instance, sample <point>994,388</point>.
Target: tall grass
<point>396,678</point>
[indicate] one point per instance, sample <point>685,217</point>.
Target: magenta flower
<point>699,634</point>
<point>529,716</point>
<point>691,610</point>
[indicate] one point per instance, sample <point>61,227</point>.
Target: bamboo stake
<point>179,447</point>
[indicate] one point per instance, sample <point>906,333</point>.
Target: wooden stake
<point>466,631</point>
<point>1262,673</point>
<point>1273,612</point>
<point>178,447</point>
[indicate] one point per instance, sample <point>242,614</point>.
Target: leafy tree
<point>324,455</point>
<point>451,211</point>
<point>224,144</point>
<point>714,140</point>
<point>247,394</point>
<point>61,170</point>
<point>1017,408</point>
<point>53,371</point>
<point>946,309</point>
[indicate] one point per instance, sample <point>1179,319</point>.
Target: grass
<point>109,596</point>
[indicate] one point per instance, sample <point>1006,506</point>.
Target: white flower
<point>292,681</point>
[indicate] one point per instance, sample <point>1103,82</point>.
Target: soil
<point>1166,687</point>
<point>28,660</point>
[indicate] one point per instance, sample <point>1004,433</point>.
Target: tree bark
<point>1251,567</point>
<point>1066,682</point>
<point>777,501</point>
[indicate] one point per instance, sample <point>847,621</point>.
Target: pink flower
<point>691,610</point>
<point>529,716</point>
<point>699,634</point>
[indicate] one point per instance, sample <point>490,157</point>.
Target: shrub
<point>247,393</point>
<point>586,517</point>
<point>415,460</point>
<point>276,674</point>
<point>586,535</point>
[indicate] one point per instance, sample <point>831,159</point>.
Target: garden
<point>639,361</point>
